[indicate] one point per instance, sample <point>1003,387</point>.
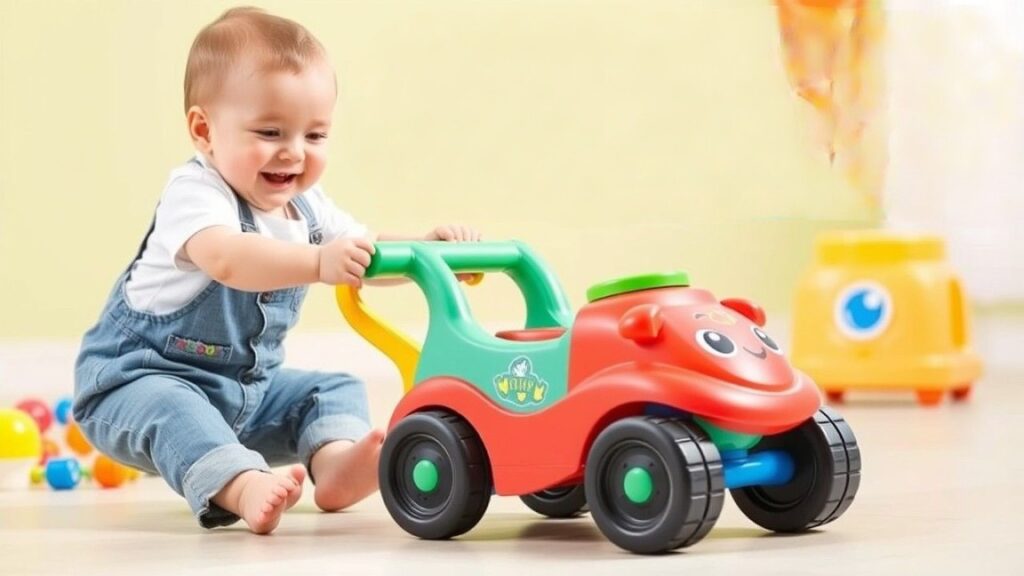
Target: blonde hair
<point>274,43</point>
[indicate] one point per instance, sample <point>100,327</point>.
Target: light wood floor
<point>942,492</point>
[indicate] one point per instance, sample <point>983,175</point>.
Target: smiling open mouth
<point>762,355</point>
<point>278,177</point>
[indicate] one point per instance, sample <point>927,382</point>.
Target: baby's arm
<point>255,263</point>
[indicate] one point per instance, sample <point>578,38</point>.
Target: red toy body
<point>643,408</point>
<point>612,377</point>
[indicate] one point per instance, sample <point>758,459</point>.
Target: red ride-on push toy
<point>645,408</point>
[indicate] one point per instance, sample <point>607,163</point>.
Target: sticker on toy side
<point>519,385</point>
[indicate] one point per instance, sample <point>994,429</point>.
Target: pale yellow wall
<point>615,137</point>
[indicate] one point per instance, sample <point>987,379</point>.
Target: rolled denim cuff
<point>210,474</point>
<point>328,429</point>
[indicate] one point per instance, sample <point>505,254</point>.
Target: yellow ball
<point>19,435</point>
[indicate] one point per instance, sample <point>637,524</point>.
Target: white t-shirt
<point>197,197</point>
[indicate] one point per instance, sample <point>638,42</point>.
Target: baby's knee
<point>116,439</point>
<point>349,387</point>
<point>346,382</point>
<point>344,393</point>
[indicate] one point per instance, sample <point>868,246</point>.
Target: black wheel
<point>826,477</point>
<point>434,475</point>
<point>654,484</point>
<point>563,502</point>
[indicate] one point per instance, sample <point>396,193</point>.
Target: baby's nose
<point>293,151</point>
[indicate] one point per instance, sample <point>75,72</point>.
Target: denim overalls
<point>198,395</point>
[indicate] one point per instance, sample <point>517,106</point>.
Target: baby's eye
<point>317,136</point>
<point>268,133</point>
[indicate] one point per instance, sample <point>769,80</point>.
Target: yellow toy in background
<point>883,311</point>
<point>20,447</point>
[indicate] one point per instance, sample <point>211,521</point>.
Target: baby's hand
<point>344,261</point>
<point>453,233</point>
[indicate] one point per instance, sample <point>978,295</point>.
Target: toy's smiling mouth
<point>762,355</point>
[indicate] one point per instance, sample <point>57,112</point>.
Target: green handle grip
<point>396,258</point>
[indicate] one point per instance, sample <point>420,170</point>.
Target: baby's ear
<point>752,311</point>
<point>198,128</point>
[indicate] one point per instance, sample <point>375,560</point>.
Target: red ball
<point>38,410</point>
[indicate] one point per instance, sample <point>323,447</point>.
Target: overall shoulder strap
<point>316,236</point>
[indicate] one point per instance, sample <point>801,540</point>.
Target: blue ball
<point>63,473</point>
<point>63,410</point>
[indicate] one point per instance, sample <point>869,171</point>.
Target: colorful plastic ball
<point>50,450</point>
<point>76,440</point>
<point>108,473</point>
<point>62,410</point>
<point>38,410</point>
<point>37,475</point>
<point>20,447</point>
<point>19,435</point>
<point>63,473</point>
<point>133,474</point>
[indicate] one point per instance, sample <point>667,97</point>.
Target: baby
<point>182,376</point>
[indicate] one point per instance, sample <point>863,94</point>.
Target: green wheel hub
<point>425,476</point>
<point>638,485</point>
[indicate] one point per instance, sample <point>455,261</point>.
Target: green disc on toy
<point>635,283</point>
<point>425,476</point>
<point>638,485</point>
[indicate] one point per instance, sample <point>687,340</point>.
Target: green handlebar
<point>433,265</point>
<point>397,258</point>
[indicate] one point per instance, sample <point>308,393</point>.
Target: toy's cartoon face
<point>723,343</point>
<point>862,310</point>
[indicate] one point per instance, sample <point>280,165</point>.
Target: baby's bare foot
<point>260,497</point>
<point>345,473</point>
<point>298,474</point>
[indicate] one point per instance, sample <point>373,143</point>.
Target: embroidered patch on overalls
<point>198,348</point>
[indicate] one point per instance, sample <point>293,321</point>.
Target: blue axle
<point>768,468</point>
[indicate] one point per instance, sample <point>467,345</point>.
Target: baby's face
<point>268,132</point>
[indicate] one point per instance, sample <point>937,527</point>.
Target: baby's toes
<point>297,474</point>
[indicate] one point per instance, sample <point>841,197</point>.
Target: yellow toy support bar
<point>396,346</point>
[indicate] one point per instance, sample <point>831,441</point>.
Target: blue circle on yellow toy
<point>863,310</point>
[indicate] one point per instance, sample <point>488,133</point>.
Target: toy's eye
<point>766,340</point>
<point>716,343</point>
<point>863,310</point>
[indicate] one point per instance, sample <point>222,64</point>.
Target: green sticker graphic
<point>519,385</point>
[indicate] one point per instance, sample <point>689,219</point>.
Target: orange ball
<point>108,473</point>
<point>76,440</point>
<point>50,450</point>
